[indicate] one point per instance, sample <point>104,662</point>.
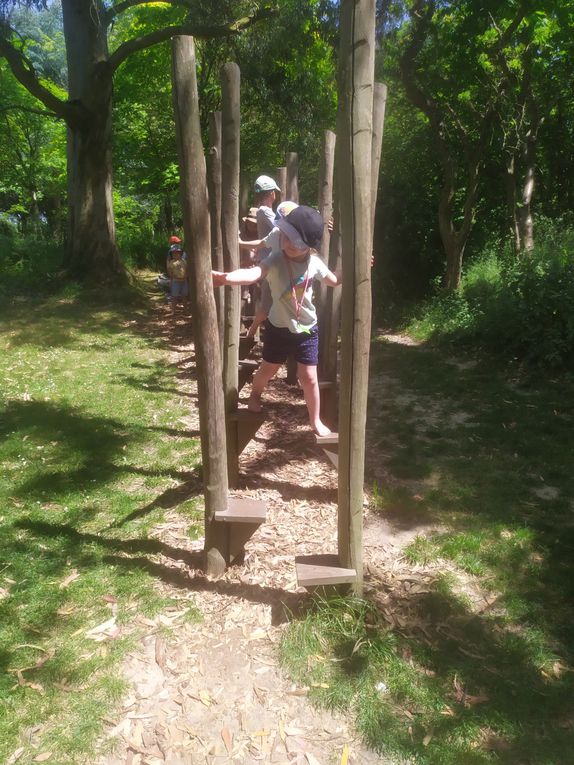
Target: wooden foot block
<point>330,445</point>
<point>243,511</point>
<point>329,402</point>
<point>243,425</point>
<point>247,367</point>
<point>322,570</point>
<point>245,346</point>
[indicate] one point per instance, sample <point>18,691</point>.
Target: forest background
<point>474,238</point>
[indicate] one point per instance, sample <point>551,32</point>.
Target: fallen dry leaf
<point>227,737</point>
<point>27,684</point>
<point>107,629</point>
<point>69,579</point>
<point>15,756</point>
<point>427,739</point>
<point>345,755</point>
<point>42,757</point>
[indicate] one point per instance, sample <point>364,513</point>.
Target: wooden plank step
<point>243,425</point>
<point>245,346</point>
<point>247,368</point>
<point>330,445</point>
<point>321,570</point>
<point>329,402</point>
<point>241,510</point>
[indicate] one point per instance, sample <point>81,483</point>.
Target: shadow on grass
<point>93,440</point>
<point>183,568</point>
<point>487,456</point>
<point>62,319</point>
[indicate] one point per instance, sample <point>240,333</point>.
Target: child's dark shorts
<point>279,342</point>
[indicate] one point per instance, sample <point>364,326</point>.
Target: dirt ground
<point>213,692</point>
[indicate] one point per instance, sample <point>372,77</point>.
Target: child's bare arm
<point>252,244</point>
<point>333,278</point>
<point>239,276</point>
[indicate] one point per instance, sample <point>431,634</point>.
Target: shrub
<point>519,309</point>
<point>28,263</point>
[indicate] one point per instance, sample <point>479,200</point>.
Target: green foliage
<point>519,309</point>
<point>28,263</point>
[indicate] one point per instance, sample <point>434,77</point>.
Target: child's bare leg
<point>310,384</point>
<point>262,377</point>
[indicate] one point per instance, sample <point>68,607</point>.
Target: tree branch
<point>27,110</point>
<point>119,8</point>
<point>196,30</point>
<point>26,75</point>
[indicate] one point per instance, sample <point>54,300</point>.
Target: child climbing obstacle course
<point>291,327</point>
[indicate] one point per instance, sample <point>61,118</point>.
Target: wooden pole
<point>292,189</point>
<point>329,340</point>
<point>292,193</point>
<point>325,206</point>
<point>230,78</point>
<point>244,193</point>
<point>281,181</point>
<point>325,195</point>
<point>354,136</point>
<point>379,105</point>
<point>193,190</point>
<point>214,189</point>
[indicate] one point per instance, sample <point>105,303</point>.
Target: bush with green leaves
<point>28,263</point>
<point>521,309</point>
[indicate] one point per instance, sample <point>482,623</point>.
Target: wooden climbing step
<point>239,521</point>
<point>243,425</point>
<point>245,346</point>
<point>329,403</point>
<point>322,570</point>
<point>242,510</point>
<point>330,445</point>
<point>247,368</point>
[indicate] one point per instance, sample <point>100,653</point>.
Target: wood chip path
<point>212,693</point>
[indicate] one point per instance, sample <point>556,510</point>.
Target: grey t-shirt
<point>265,224</point>
<point>285,276</point>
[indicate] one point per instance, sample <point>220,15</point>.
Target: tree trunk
<point>91,245</point>
<point>510,177</point>
<point>525,220</point>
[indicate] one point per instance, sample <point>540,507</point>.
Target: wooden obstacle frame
<point>223,366</point>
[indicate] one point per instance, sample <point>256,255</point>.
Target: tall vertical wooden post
<point>325,192</point>
<point>230,77</point>
<point>328,343</point>
<point>214,189</point>
<point>281,181</point>
<point>244,193</point>
<point>292,190</point>
<point>292,193</point>
<point>325,298</point>
<point>379,106</point>
<point>354,136</point>
<point>193,189</point>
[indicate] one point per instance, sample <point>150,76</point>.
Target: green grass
<point>479,668</point>
<point>93,454</point>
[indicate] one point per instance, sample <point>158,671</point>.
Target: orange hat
<point>174,240</point>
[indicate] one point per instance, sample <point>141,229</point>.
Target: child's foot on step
<point>321,430</point>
